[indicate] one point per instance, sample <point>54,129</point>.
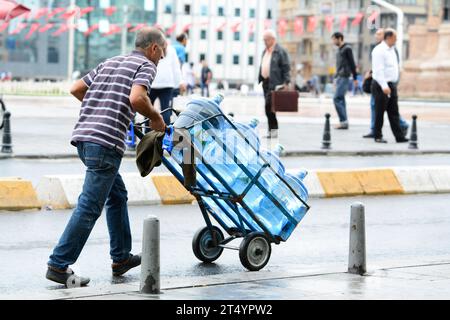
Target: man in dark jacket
<point>274,74</point>
<point>345,67</point>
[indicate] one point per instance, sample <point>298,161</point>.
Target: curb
<point>286,154</point>
<point>61,192</point>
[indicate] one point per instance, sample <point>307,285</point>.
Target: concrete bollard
<point>150,270</point>
<point>326,141</point>
<point>357,252</point>
<point>7,139</point>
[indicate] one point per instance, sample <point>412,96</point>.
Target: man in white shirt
<point>386,73</point>
<point>168,78</point>
<point>189,77</point>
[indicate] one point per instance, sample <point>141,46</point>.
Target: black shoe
<point>369,136</point>
<point>121,268</point>
<point>67,278</point>
<point>380,140</point>
<point>402,140</point>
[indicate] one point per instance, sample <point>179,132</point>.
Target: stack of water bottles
<point>231,160</point>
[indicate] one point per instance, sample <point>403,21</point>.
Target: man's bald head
<point>152,42</point>
<point>270,38</point>
<point>379,35</point>
<point>148,35</point>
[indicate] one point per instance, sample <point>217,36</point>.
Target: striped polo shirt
<point>106,112</point>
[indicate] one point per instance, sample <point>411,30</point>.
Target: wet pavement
<point>401,230</point>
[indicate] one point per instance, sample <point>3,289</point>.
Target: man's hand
<point>387,91</point>
<point>158,124</point>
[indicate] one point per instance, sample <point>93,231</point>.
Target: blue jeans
<point>205,89</point>
<point>403,123</point>
<point>103,187</point>
<point>339,98</point>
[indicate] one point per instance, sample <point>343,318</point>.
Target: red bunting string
<point>55,12</point>
<point>4,26</point>
<point>312,24</point>
<point>41,13</point>
<point>343,22</point>
<point>329,20</point>
<point>19,29</point>
<point>69,14</point>
<point>86,10</point>
<point>373,17</point>
<point>235,27</point>
<point>34,27</point>
<point>251,28</point>
<point>91,29</point>
<point>47,27</point>
<point>282,27</point>
<point>187,27</point>
<point>221,27</point>
<point>113,29</point>
<point>138,27</point>
<point>172,29</point>
<point>110,11</point>
<point>358,19</point>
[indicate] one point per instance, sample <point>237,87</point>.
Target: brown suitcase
<point>285,101</point>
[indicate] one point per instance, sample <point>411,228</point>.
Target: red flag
<point>91,29</point>
<point>4,26</point>
<point>69,14</point>
<point>222,26</point>
<point>329,20</point>
<point>113,29</point>
<point>373,16</point>
<point>312,24</point>
<point>64,28</point>
<point>251,27</point>
<point>172,29</point>
<point>343,22</point>
<point>235,27</point>
<point>86,10</point>
<point>282,27</point>
<point>187,27</point>
<point>47,27</point>
<point>55,12</point>
<point>19,28</point>
<point>358,19</point>
<point>138,27</point>
<point>34,27</point>
<point>299,26</point>
<point>110,11</point>
<point>41,13</point>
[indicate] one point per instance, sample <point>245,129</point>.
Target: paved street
<point>401,231</point>
<point>43,127</point>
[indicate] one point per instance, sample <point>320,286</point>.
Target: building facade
<point>227,34</point>
<point>314,51</point>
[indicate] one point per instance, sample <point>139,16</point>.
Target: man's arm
<point>378,68</point>
<point>351,62</point>
<point>79,90</point>
<point>141,103</point>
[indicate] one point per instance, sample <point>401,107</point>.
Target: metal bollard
<point>326,142</point>
<point>357,252</point>
<point>413,144</point>
<point>7,139</point>
<point>150,270</point>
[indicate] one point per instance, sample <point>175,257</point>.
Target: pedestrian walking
<point>205,79</point>
<point>180,47</point>
<point>168,78</point>
<point>189,77</point>
<point>386,73</point>
<point>274,73</point>
<point>345,67</point>
<point>110,96</point>
<point>379,37</point>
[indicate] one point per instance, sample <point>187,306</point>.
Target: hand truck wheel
<point>203,244</point>
<point>255,251</point>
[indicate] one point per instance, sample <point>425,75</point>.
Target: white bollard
<point>357,252</point>
<point>150,271</point>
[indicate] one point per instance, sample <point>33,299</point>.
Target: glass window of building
<point>237,12</point>
<point>250,61</point>
<point>251,37</point>
<point>236,59</point>
<point>168,9</point>
<point>187,9</point>
<point>204,10</point>
<point>220,12</point>
<point>237,36</point>
<point>252,13</point>
<point>269,14</point>
<point>219,35</point>
<point>446,15</point>
<point>219,59</point>
<point>202,57</point>
<point>203,34</point>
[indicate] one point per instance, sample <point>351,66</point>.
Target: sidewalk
<point>42,127</point>
<point>427,281</point>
